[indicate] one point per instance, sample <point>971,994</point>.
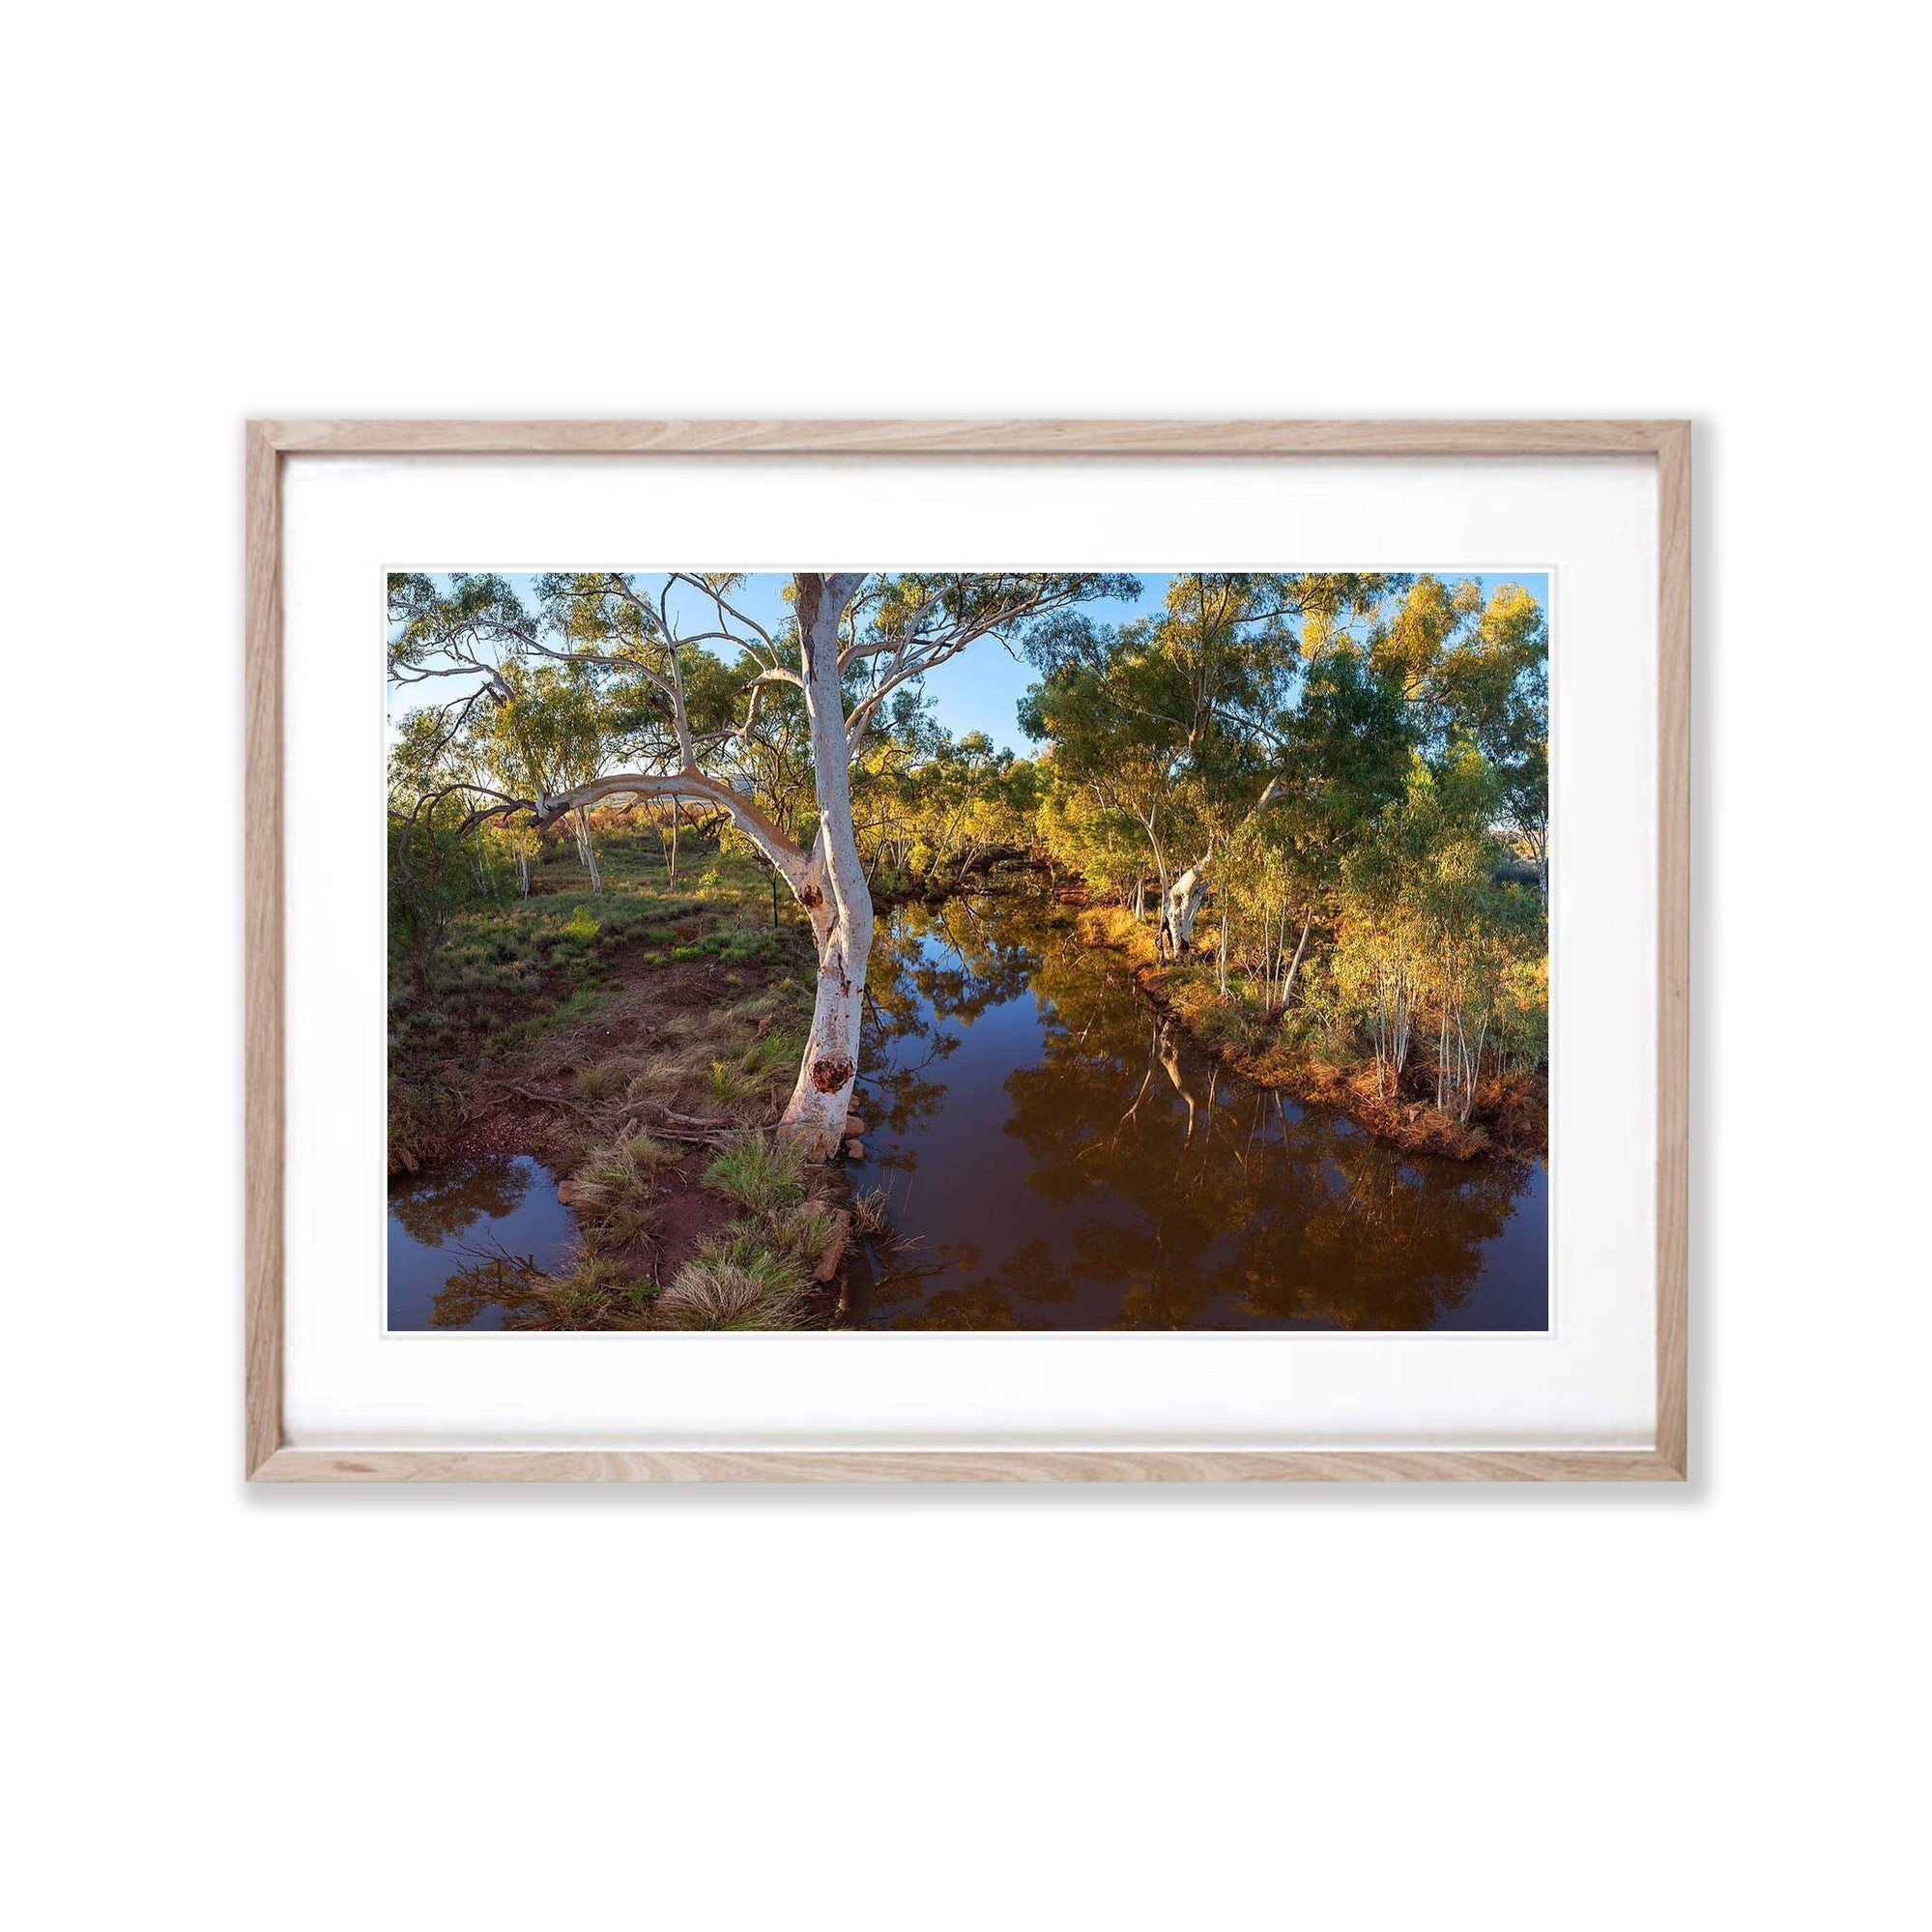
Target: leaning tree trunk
<point>1294,964</point>
<point>836,896</point>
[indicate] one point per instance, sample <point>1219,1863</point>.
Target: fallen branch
<point>693,1120</point>
<point>684,1126</point>
<point>544,1099</point>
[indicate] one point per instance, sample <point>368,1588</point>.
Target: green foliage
<point>1351,765</point>
<point>730,1082</point>
<point>760,1173</point>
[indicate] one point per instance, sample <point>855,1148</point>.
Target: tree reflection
<point>1246,1207</point>
<point>1018,1294</point>
<point>433,1208</point>
<point>932,965</point>
<point>492,1280</point>
<point>1161,1192</point>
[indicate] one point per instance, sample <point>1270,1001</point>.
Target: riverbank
<point>1508,1117</point>
<point>639,1042</point>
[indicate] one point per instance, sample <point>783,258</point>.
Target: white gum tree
<point>656,650</point>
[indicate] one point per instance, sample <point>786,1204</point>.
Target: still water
<point>1061,1157</point>
<point>452,1232</point>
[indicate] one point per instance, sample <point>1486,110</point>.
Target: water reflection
<point>455,1237</point>
<point>1064,1159</point>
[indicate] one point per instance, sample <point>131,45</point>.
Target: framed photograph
<point>967,951</point>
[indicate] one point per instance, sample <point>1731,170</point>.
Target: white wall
<point>1336,1708</point>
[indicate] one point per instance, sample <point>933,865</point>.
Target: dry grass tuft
<point>717,1289</point>
<point>588,1296</point>
<point>616,1187</point>
<point>870,1212</point>
<point>595,1082</point>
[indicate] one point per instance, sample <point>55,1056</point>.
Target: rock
<point>566,1192</point>
<point>835,1249</point>
<point>854,1126</point>
<point>854,1150</point>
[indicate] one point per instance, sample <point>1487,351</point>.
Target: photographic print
<point>897,950</point>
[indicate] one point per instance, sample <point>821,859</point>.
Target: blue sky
<point>980,689</point>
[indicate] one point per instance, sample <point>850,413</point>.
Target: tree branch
<point>790,860</point>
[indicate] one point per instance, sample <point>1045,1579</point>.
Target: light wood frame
<point>268,1458</point>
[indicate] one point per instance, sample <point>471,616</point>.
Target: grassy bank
<point>640,1042</point>
<point>1280,1049</point>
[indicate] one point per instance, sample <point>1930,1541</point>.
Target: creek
<point>1059,1154</point>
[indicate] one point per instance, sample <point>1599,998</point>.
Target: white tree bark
<point>839,901</point>
<point>1294,964</point>
<point>1181,901</point>
<point>587,851</point>
<point>1181,904</point>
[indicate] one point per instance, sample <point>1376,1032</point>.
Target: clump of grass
<point>715,1290</point>
<point>749,1245</point>
<point>810,1230</point>
<point>665,1074</point>
<point>868,1212</point>
<point>779,1052</point>
<point>583,926</point>
<point>585,1297</point>
<point>730,1082</point>
<point>759,1173</point>
<point>792,1241</point>
<point>580,1006</point>
<point>421,1117</point>
<point>595,1082</point>
<point>615,1188</point>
